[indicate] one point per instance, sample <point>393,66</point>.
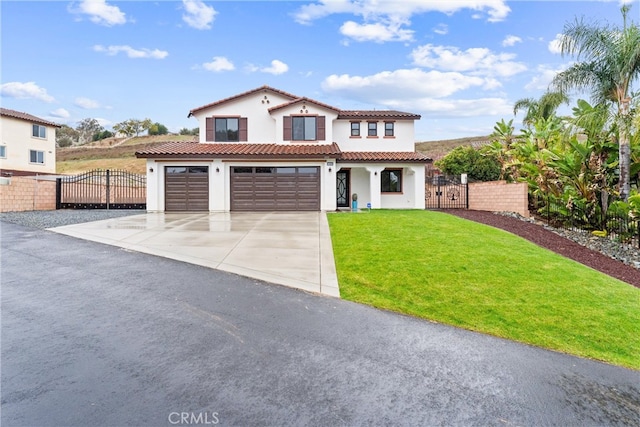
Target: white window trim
<point>3,148</point>
<point>39,126</point>
<point>37,163</point>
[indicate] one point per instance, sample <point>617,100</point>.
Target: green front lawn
<point>444,268</point>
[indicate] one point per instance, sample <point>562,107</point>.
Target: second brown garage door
<point>275,188</point>
<point>186,188</point>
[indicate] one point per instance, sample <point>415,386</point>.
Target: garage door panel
<point>186,188</point>
<point>275,188</point>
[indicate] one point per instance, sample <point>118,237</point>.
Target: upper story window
<point>36,157</point>
<point>304,128</point>
<point>39,131</point>
<point>3,151</point>
<point>227,129</point>
<point>388,129</point>
<point>355,128</point>
<point>372,129</point>
<point>391,181</point>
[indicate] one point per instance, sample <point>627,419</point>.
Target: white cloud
<point>28,90</point>
<point>219,64</point>
<point>131,52</point>
<point>60,113</point>
<point>441,29</point>
<point>277,67</point>
<point>480,61</point>
<point>386,86</point>
<point>198,15</point>
<point>100,12</point>
<point>86,103</point>
<point>542,80</point>
<point>395,11</point>
<point>511,40</point>
<point>377,32</point>
<point>417,90</point>
<point>554,45</point>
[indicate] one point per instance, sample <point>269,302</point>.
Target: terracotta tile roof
<point>264,88</point>
<point>377,114</point>
<point>305,100</point>
<point>28,117</point>
<point>244,150</point>
<point>381,156</point>
<point>273,151</point>
<point>342,114</point>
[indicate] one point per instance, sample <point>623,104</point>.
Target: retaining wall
<point>19,194</point>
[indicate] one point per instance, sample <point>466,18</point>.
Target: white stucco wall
<point>18,140</point>
<point>220,181</point>
<point>365,181</point>
<point>403,139</point>
<point>261,126</point>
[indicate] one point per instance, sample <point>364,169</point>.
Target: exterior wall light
<point>150,169</point>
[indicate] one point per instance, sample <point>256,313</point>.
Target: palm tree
<point>610,63</point>
<point>543,108</point>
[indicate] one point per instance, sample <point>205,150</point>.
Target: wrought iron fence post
<point>108,188</point>
<point>58,193</point>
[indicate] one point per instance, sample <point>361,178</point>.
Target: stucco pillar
<point>153,175</point>
<point>418,175</point>
<point>217,186</point>
<point>374,186</point>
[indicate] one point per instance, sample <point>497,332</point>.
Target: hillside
<point>119,153</point>
<point>438,149</point>
<point>110,153</point>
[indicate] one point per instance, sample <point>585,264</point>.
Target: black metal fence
<point>102,189</point>
<point>615,223</point>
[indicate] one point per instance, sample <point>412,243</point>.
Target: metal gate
<point>445,192</point>
<point>102,189</point>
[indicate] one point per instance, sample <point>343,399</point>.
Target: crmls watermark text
<point>194,418</point>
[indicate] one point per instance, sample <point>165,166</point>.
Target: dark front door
<point>343,190</point>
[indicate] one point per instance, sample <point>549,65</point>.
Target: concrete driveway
<point>291,249</point>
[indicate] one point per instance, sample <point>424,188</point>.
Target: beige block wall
<point>498,196</point>
<point>27,194</point>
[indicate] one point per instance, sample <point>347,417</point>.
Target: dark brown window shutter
<point>287,128</point>
<point>320,128</point>
<point>210,129</point>
<point>243,129</point>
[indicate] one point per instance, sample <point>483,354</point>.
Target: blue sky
<point>461,64</point>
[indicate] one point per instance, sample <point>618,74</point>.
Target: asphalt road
<point>96,335</point>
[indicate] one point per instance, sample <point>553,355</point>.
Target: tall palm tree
<point>609,65</point>
<point>543,108</point>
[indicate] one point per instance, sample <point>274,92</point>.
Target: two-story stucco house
<point>269,150</point>
<point>28,145</point>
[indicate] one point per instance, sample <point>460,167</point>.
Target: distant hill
<point>111,153</point>
<point>438,149</point>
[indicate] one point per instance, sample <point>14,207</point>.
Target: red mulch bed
<point>552,241</point>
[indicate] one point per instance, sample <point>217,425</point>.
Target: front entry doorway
<point>343,188</point>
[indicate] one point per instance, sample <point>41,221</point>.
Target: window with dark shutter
<point>287,136</point>
<point>321,128</point>
<point>243,129</point>
<point>210,131</point>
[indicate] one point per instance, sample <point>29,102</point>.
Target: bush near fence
<point>614,224</point>
<point>19,194</point>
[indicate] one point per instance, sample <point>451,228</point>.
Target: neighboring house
<point>28,145</point>
<point>266,150</point>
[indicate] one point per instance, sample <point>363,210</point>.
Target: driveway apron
<point>290,249</point>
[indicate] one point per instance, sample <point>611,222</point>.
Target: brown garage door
<point>186,188</point>
<point>275,188</point>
